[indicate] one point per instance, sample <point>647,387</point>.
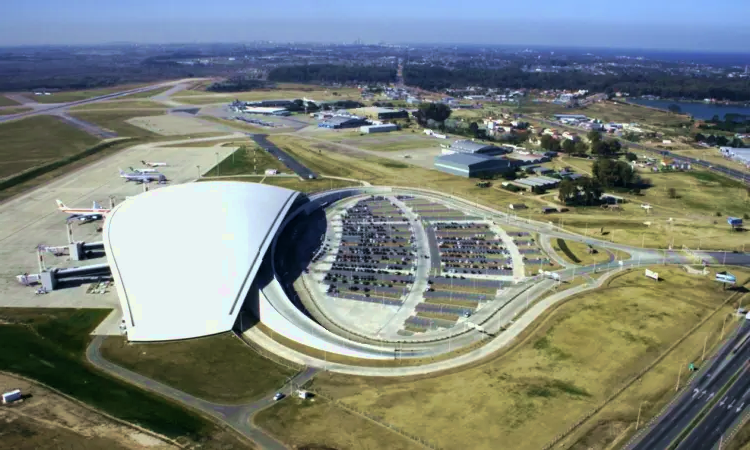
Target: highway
<point>665,432</point>
<point>291,163</point>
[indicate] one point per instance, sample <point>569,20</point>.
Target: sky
<point>719,25</point>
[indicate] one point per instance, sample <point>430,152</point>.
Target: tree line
<point>332,73</point>
<point>636,84</point>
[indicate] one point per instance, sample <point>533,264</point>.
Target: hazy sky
<point>666,24</point>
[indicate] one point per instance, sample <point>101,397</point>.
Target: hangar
<point>183,257</point>
<point>471,165</point>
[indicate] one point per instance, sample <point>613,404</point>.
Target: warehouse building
<point>472,147</point>
<point>384,128</point>
<point>268,111</point>
<point>271,103</point>
<point>337,122</point>
<point>741,155</point>
<point>471,165</point>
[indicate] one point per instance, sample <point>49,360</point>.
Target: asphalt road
<point>713,378</point>
<point>721,417</point>
<point>237,416</point>
<point>291,163</point>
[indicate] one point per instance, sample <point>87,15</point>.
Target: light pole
<point>218,169</point>
<point>638,419</point>
<point>200,175</point>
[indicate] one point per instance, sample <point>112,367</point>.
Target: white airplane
<point>143,177</point>
<point>154,164</point>
<point>96,212</point>
<point>143,170</point>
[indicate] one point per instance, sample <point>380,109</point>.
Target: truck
<point>12,396</point>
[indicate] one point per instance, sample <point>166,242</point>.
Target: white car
<point>278,396</point>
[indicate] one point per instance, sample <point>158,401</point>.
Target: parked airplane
<point>154,164</point>
<point>96,209</point>
<point>143,170</point>
<point>143,177</point>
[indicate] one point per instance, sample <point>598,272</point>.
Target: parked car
<point>278,396</point>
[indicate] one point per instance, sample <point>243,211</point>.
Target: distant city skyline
<point>691,25</point>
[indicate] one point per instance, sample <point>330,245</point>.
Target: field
<point>5,101</point>
<point>9,111</point>
<point>627,113</point>
<point>335,160</point>
<point>218,368</point>
<point>243,161</point>
<point>147,94</point>
<point>115,120</point>
<point>549,380</point>
<point>317,424</point>
<point>394,141</point>
<point>72,96</point>
<point>48,346</point>
<point>308,186</point>
<point>286,92</point>
<point>118,104</point>
<point>38,140</point>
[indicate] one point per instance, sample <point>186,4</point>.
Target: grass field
<point>217,368</point>
<point>147,94</point>
<point>550,380</point>
<point>317,424</point>
<point>286,92</point>
<point>72,96</point>
<point>622,112</point>
<point>308,186</point>
<point>334,160</point>
<point>119,104</point>
<point>238,124</point>
<point>38,140</point>
<point>741,440</point>
<point>9,111</point>
<point>243,161</point>
<point>48,346</point>
<point>5,101</point>
<point>577,252</point>
<point>116,121</point>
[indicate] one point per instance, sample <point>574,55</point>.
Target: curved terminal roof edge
<point>184,257</point>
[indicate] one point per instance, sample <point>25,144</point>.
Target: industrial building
<point>271,103</point>
<point>337,122</point>
<point>378,113</point>
<point>471,165</point>
<point>183,257</point>
<point>268,111</point>
<point>539,181</point>
<point>738,154</point>
<point>383,128</point>
<point>472,147</point>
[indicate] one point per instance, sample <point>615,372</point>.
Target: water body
<point>695,109</point>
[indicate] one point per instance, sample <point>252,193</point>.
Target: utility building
<point>384,128</point>
<point>471,165</point>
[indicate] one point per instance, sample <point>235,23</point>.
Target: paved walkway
<point>236,416</point>
<point>515,255</point>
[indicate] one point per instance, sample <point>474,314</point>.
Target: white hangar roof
<point>183,257</point>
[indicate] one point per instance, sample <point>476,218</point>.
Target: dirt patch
<point>47,420</point>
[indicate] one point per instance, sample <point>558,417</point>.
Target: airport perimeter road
<point>721,417</point>
<point>291,163</point>
<point>665,432</point>
<point>239,417</point>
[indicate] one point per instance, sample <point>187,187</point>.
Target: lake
<point>695,109</point>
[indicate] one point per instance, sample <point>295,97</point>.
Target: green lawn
<point>38,140</point>
<point>48,345</point>
<point>10,111</point>
<point>116,121</point>
<point>218,368</point>
<point>251,160</point>
<point>5,101</point>
<point>72,96</point>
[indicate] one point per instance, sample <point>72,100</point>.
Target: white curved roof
<point>183,257</point>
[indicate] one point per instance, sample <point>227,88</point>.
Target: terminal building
<point>472,165</point>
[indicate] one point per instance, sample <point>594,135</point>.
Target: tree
<point>610,173</point>
<point>581,148</point>
<point>672,193</point>
<point>737,143</point>
<point>568,146</point>
<point>631,136</point>
<point>594,136</point>
<point>630,156</point>
<point>722,141</point>
<point>674,109</point>
<point>567,191</point>
<point>699,137</point>
<point>438,112</point>
<point>549,143</point>
<point>474,129</point>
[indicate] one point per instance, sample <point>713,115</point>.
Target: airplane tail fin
<point>96,205</point>
<point>60,204</point>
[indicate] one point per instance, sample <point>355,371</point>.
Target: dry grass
<point>10,111</point>
<point>218,368</point>
<point>5,101</point>
<point>317,424</point>
<point>579,253</point>
<point>282,92</point>
<point>116,120</point>
<point>308,186</point>
<point>540,388</point>
<point>72,96</point>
